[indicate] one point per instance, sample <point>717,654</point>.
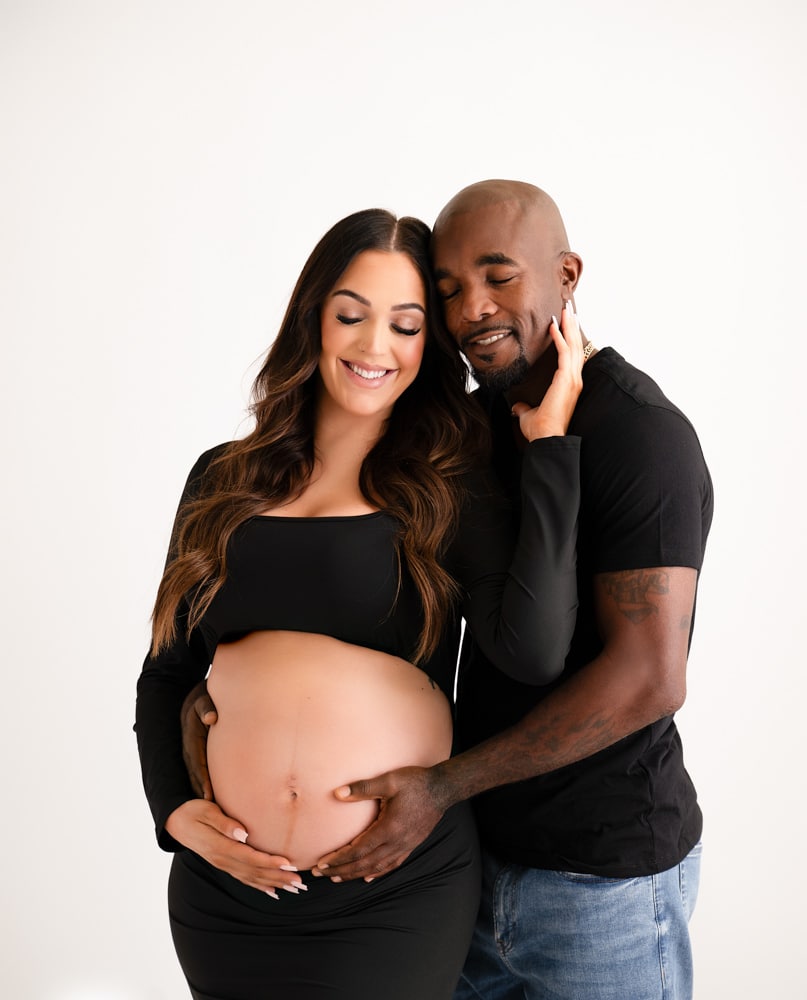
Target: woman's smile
<point>369,377</point>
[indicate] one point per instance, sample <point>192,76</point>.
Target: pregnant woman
<point>318,569</point>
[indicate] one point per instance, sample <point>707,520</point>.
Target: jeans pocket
<point>696,851</point>
<point>689,874</point>
<point>589,879</point>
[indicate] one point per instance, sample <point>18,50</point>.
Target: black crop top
<point>339,576</point>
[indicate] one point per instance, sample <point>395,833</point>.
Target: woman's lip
<point>369,383</point>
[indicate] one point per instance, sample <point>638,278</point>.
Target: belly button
<point>291,787</point>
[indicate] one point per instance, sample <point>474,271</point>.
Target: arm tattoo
<point>632,592</point>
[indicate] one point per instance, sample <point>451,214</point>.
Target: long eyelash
<point>348,320</point>
<point>405,331</point>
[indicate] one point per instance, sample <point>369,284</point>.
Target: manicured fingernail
<point>336,879</point>
<point>300,885</point>
<point>240,835</point>
<point>272,893</point>
<point>316,873</point>
<point>291,889</point>
<point>569,305</point>
<point>323,867</point>
<point>555,321</point>
<point>288,868</point>
<point>370,878</point>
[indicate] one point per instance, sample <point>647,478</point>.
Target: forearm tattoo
<point>633,592</point>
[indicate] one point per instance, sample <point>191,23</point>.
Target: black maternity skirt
<point>402,937</point>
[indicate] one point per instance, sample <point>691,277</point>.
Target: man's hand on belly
<point>408,812</point>
<point>197,715</point>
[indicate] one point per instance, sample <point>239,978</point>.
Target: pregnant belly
<point>299,715</point>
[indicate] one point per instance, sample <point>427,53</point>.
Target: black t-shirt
<point>339,576</point>
<point>646,500</point>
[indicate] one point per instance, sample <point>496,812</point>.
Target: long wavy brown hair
<point>413,472</point>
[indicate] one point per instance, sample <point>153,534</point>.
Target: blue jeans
<point>546,935</point>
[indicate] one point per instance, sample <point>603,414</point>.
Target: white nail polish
<point>300,885</point>
<point>292,890</point>
<point>272,893</point>
<point>555,321</point>
<point>240,835</point>
<point>288,868</point>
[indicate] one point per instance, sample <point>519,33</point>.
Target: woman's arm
<point>165,680</point>
<point>522,615</point>
<point>181,819</point>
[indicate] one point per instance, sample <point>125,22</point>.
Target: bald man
<point>588,819</point>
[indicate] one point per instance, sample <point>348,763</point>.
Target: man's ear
<point>571,267</point>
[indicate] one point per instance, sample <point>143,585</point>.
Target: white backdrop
<point>165,169</point>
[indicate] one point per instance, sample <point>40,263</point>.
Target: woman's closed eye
<point>407,331</point>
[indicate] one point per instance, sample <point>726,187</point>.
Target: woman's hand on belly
<point>203,828</point>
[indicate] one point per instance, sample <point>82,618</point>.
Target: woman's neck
<point>342,441</point>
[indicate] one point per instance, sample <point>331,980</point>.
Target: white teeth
<point>490,340</point>
<point>364,373</point>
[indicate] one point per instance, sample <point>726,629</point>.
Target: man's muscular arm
<point>644,618</point>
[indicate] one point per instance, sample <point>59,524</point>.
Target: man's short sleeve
<point>649,492</point>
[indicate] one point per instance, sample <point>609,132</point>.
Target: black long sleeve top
<point>339,576</point>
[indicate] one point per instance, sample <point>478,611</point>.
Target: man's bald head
<point>530,202</point>
<point>503,268</point>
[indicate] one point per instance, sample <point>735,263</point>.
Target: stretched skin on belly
<point>300,715</point>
